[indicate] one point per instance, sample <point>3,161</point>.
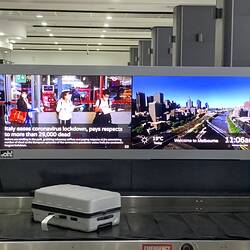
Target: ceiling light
<point>44,24</point>
<point>12,41</point>
<point>5,52</point>
<point>39,16</point>
<point>106,25</point>
<point>98,49</point>
<point>104,31</point>
<point>109,17</point>
<point>23,48</point>
<point>99,44</point>
<point>51,34</point>
<point>56,43</point>
<point>48,30</point>
<point>102,36</point>
<point>59,48</point>
<point>19,38</point>
<point>2,34</point>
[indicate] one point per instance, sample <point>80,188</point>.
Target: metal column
<point>161,46</point>
<point>194,36</point>
<point>37,92</point>
<point>144,52</point>
<point>232,33</point>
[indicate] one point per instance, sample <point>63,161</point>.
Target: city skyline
<point>234,91</point>
<point>194,103</point>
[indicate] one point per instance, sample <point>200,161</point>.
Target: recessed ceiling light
<point>56,43</point>
<point>12,41</point>
<point>59,48</point>
<point>23,48</point>
<point>99,44</point>
<point>104,31</point>
<point>48,30</point>
<point>19,38</point>
<point>5,52</point>
<point>2,34</point>
<point>39,16</point>
<point>102,36</point>
<point>109,17</point>
<point>98,49</point>
<point>51,34</point>
<point>44,24</point>
<point>106,25</point>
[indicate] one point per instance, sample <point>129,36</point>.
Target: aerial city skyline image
<point>217,91</point>
<point>191,112</point>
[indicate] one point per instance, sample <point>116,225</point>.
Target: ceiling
<point>78,25</point>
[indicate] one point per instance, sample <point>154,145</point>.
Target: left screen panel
<point>65,111</point>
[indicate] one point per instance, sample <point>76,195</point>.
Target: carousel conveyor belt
<point>136,226</point>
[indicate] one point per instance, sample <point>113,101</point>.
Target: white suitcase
<point>79,208</point>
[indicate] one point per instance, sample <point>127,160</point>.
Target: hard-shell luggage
<point>76,207</point>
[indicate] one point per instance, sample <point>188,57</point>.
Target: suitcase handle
<point>105,217</point>
<point>102,226</point>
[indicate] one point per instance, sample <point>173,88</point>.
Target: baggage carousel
<point>147,223</point>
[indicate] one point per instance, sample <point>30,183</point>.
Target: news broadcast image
<point>188,112</point>
<point>65,111</point>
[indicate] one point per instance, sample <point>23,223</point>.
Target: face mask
<point>67,97</point>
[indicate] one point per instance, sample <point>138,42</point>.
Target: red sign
<point>157,247</point>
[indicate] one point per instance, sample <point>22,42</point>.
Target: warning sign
<point>157,247</point>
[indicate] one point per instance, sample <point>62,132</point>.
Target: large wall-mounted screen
<point>124,112</point>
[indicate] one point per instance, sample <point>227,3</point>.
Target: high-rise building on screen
<point>150,99</point>
<point>189,103</point>
<point>159,97</point>
<point>140,102</point>
<point>198,104</point>
<point>155,111</point>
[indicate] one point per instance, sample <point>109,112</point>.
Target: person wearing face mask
<point>103,110</point>
<point>23,103</point>
<point>24,106</point>
<point>65,109</point>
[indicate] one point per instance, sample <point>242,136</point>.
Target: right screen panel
<point>190,112</point>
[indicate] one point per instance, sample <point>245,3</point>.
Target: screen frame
<point>125,153</point>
